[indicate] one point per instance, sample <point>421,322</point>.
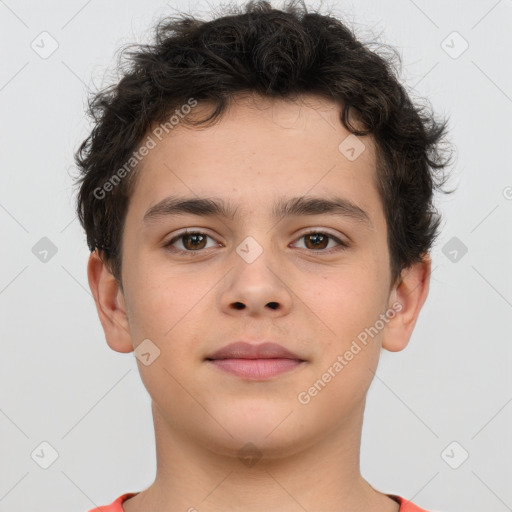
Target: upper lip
<point>244,350</point>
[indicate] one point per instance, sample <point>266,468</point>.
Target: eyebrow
<point>295,206</point>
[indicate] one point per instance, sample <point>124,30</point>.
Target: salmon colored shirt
<point>405,506</point>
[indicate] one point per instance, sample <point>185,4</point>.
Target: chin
<point>273,431</point>
<point>251,445</point>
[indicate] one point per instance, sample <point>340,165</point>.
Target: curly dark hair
<point>275,53</point>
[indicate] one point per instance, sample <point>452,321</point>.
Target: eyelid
<point>325,231</point>
<point>189,231</point>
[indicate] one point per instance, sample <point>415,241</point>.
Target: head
<point>249,111</point>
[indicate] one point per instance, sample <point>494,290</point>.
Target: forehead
<point>260,149</point>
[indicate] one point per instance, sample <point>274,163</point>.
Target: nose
<point>257,288</point>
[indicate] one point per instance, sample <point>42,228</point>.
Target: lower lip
<point>256,369</point>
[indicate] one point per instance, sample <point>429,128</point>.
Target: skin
<point>259,151</point>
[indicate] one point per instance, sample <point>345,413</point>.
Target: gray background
<point>61,384</point>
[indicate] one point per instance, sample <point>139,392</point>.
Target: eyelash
<point>342,245</point>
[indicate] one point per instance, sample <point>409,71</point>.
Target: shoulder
<point>116,505</point>
<point>405,505</point>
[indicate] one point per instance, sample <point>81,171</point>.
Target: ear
<point>410,294</point>
<point>110,304</point>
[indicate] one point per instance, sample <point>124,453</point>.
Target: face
<point>311,279</point>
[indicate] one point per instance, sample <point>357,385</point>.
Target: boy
<point>257,197</point>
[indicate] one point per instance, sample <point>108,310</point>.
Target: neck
<point>319,475</point>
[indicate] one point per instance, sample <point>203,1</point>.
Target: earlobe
<point>409,295</point>
<point>110,304</point>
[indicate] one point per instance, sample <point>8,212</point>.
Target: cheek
<point>350,301</point>
<point>160,297</point>
<point>168,317</point>
<point>154,310</point>
<point>349,352</point>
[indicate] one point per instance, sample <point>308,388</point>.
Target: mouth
<point>255,362</point>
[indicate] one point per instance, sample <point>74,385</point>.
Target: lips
<point>244,350</point>
<point>255,362</point>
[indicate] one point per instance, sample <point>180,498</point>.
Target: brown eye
<point>316,241</point>
<point>319,241</point>
<point>194,241</point>
<point>190,241</point>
